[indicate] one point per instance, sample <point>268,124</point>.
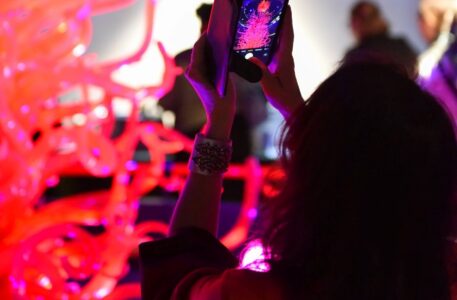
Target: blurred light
<point>21,66</point>
<point>102,293</point>
<point>7,72</point>
<point>45,282</point>
<point>63,27</point>
<point>122,107</point>
<point>150,109</point>
<point>252,213</point>
<point>168,119</point>
<point>131,165</point>
<point>25,109</point>
<point>101,112</point>
<point>79,50</point>
<point>11,124</point>
<point>253,257</point>
<point>141,94</point>
<point>84,12</point>
<point>52,181</point>
<point>105,170</point>
<point>79,119</point>
<point>96,152</point>
<point>123,179</point>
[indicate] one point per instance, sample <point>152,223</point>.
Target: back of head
<point>204,12</point>
<point>367,20</point>
<point>364,213</point>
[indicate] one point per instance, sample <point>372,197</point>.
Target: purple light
<point>52,181</point>
<point>84,12</point>
<point>123,179</point>
<point>21,136</point>
<point>11,124</point>
<point>96,152</point>
<point>7,72</point>
<point>21,67</point>
<point>105,170</point>
<point>131,165</point>
<point>252,213</point>
<point>25,109</point>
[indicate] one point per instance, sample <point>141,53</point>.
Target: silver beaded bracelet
<point>209,156</point>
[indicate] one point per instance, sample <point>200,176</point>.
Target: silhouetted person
<point>438,64</point>
<point>365,208</point>
<point>371,32</point>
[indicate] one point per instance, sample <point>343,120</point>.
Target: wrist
<point>219,125</point>
<point>210,156</point>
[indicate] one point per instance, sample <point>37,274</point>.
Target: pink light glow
<point>252,213</point>
<point>253,257</point>
<point>45,282</point>
<point>45,252</point>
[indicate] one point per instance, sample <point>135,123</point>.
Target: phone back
<point>221,30</point>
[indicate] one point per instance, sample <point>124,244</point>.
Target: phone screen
<point>257,28</point>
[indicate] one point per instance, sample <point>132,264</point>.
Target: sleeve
<point>231,284</point>
<point>171,266</point>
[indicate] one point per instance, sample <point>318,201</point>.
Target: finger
<point>198,51</point>
<point>197,69</point>
<point>266,74</point>
<point>268,79</point>
<point>259,64</point>
<point>283,55</point>
<point>286,38</point>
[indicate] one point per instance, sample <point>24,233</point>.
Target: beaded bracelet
<point>210,157</point>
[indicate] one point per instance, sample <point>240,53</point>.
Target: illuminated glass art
<point>46,251</point>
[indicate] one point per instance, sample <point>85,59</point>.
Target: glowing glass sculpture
<point>46,252</point>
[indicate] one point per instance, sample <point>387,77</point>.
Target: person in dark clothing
<point>371,32</point>
<point>437,64</point>
<point>365,209</point>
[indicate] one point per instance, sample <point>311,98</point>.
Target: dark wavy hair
<point>365,209</point>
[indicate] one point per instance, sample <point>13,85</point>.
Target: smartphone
<point>258,27</point>
<point>238,30</point>
<point>220,33</point>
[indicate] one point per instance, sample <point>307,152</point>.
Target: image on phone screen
<point>257,27</point>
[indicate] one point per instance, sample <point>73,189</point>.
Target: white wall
<point>321,33</point>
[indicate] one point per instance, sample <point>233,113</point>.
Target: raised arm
<point>199,202</point>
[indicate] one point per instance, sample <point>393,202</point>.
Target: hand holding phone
<point>238,30</point>
<point>220,110</point>
<point>279,82</point>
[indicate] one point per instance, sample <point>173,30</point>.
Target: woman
<point>438,64</point>
<point>365,208</point>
